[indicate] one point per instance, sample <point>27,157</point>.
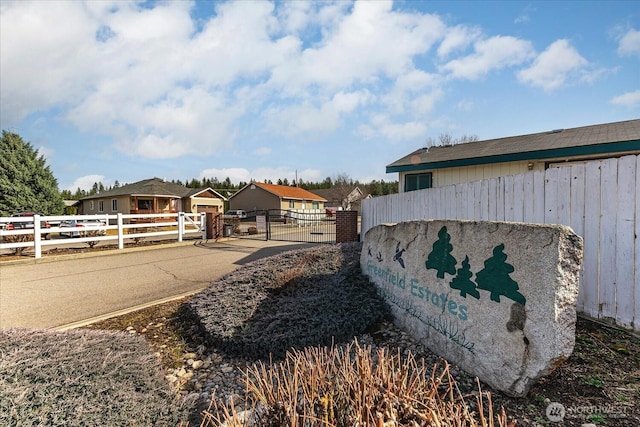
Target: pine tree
<point>440,257</point>
<point>462,282</point>
<point>494,277</point>
<point>26,182</point>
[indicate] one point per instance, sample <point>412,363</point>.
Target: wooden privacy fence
<point>598,199</point>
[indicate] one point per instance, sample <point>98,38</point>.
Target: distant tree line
<point>375,187</point>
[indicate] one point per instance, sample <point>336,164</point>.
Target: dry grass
<point>353,386</point>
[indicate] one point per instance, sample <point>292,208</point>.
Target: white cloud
<point>629,99</point>
<point>465,105</point>
<point>629,43</point>
<point>86,182</point>
<point>554,66</point>
<point>458,38</point>
<point>423,104</point>
<point>381,126</point>
<point>45,152</point>
<point>237,175</point>
<point>370,43</point>
<point>491,54</point>
<point>307,118</point>
<point>161,89</point>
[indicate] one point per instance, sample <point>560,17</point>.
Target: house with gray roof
<point>151,196</point>
<point>440,166</point>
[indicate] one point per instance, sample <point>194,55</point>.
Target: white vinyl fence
<point>599,200</point>
<point>117,227</point>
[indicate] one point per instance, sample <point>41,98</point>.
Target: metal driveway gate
<point>285,225</point>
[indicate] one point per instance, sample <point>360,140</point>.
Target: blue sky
<point>128,90</point>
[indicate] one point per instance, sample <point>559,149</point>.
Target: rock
<point>498,299</point>
<point>189,356</point>
<point>197,364</point>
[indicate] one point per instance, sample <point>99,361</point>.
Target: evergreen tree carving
<point>494,277</point>
<point>440,258</point>
<point>462,282</point>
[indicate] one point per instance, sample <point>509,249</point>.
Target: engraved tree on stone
<point>494,277</point>
<point>462,281</point>
<point>440,258</point>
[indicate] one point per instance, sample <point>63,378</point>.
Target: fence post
<point>119,223</point>
<point>37,244</point>
<point>180,225</point>
<point>346,226</point>
<point>203,225</point>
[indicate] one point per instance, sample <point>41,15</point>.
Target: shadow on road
<point>253,253</point>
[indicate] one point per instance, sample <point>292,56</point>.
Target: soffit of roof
<point>568,138</point>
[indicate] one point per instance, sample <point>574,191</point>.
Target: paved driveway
<point>68,292</point>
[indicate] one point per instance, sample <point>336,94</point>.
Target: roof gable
<point>197,192</point>
<point>594,139</point>
<point>147,187</point>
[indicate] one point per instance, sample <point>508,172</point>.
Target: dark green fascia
<point>585,150</point>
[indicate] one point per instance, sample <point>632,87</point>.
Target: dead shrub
<point>353,386</point>
<point>20,238</point>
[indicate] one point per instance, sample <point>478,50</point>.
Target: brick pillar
<point>346,226</point>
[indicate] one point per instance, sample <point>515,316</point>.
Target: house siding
<point>458,175</point>
<point>191,204</point>
<point>255,199</point>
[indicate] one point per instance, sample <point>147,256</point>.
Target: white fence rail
<point>126,226</point>
<point>599,200</point>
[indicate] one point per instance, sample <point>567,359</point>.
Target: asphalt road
<point>72,291</point>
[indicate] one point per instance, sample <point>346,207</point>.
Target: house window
<point>144,204</point>
<point>114,205</point>
<point>292,204</point>
<point>417,181</point>
<point>100,205</point>
<point>315,205</point>
<point>92,206</point>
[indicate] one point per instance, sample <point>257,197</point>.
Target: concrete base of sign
<point>498,299</point>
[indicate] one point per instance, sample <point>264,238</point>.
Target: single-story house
<point>342,197</point>
<point>260,196</point>
<point>152,196</point>
<point>446,165</point>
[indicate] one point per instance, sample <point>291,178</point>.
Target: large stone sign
<point>496,298</point>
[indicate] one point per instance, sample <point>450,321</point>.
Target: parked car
<point>235,214</point>
<point>89,227</point>
<point>23,225</point>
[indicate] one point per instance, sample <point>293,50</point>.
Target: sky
<point>127,90</point>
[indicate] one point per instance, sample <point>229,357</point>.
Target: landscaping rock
<point>497,299</point>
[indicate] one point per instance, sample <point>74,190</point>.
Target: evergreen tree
<point>26,182</point>
<point>494,277</point>
<point>440,258</point>
<point>462,282</point>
